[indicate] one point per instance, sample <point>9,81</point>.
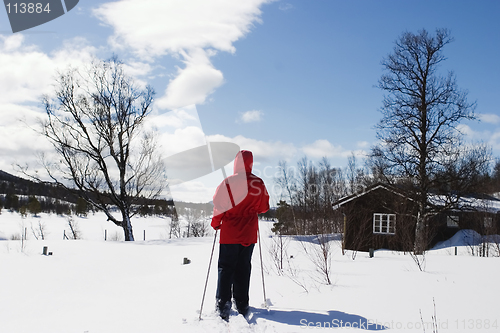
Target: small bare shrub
<point>419,260</point>
<point>116,237</point>
<point>74,229</point>
<point>199,228</point>
<point>40,230</point>
<point>278,252</point>
<point>320,253</point>
<point>15,237</point>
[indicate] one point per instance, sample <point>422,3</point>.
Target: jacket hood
<point>243,161</point>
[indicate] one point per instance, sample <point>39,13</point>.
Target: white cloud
<point>26,73</point>
<point>178,130</point>
<point>193,83</point>
<point>190,29</point>
<point>137,68</point>
<point>20,141</point>
<point>174,119</point>
<point>13,42</point>
<point>181,140</point>
<point>468,131</point>
<point>250,116</point>
<point>192,191</point>
<point>263,151</point>
<point>156,27</point>
<point>494,141</point>
<point>489,118</point>
<point>492,138</point>
<point>323,148</point>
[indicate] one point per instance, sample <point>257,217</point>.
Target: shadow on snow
<point>334,319</point>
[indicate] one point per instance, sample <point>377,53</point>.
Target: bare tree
<point>303,195</point>
<point>326,177</point>
<point>281,227</point>
<point>495,178</point>
<point>286,181</point>
<point>421,111</point>
<point>175,227</point>
<point>355,175</point>
<point>95,125</point>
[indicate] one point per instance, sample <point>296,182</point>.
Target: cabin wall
<point>359,235</point>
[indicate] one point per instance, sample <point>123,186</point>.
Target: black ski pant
<point>234,274</point>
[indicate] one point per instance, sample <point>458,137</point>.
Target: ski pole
<point>262,272</point>
<point>208,272</point>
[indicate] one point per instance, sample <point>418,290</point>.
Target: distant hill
<point>10,184</point>
<point>8,177</point>
<point>13,185</point>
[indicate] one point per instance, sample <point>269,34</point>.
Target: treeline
<point>306,192</point>
<point>28,197</point>
<point>35,205</point>
<point>30,204</point>
<point>158,207</point>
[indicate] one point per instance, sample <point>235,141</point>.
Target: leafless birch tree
<point>419,135</point>
<point>95,125</point>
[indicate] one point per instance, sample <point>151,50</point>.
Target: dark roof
<point>367,190</point>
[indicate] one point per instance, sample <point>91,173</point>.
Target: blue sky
<point>285,79</point>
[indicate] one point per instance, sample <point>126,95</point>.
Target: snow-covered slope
<point>93,286</point>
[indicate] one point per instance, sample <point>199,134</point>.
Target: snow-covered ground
<point>91,285</point>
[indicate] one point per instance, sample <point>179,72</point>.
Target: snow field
<point>92,286</point>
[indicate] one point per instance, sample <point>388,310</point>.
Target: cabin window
<point>488,222</point>
<point>452,221</point>
<point>384,224</point>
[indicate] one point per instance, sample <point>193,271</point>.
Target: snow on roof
<point>490,204</point>
<point>473,203</point>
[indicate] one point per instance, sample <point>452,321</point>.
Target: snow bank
<point>464,237</point>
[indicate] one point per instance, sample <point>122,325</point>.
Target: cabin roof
<point>469,202</point>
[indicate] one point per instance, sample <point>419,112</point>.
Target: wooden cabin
<point>384,217</point>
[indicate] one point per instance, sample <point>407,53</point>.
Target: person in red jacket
<point>237,202</point>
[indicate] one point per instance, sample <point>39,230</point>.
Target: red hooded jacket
<point>237,202</point>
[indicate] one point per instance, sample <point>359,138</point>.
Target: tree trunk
<point>127,227</point>
<point>419,245</point>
